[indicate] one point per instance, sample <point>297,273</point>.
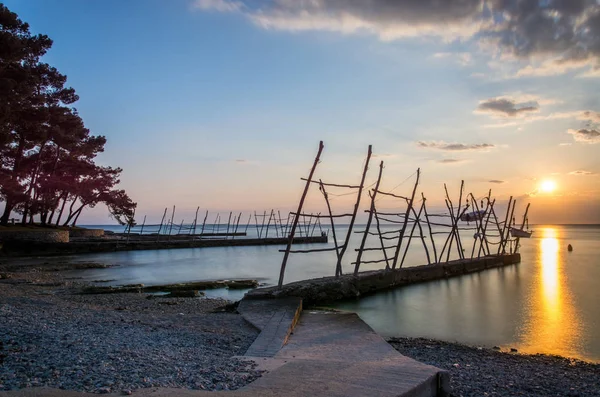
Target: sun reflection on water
<point>553,325</point>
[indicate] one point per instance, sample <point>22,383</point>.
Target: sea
<point>549,303</point>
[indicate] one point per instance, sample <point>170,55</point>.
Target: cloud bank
<point>455,147</point>
<point>555,35</point>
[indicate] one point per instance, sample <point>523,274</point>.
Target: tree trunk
<point>62,208</point>
<point>10,201</point>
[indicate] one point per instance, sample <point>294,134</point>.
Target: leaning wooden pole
<point>421,235</point>
<point>412,231</point>
<point>335,244</point>
<point>484,237</point>
<point>406,216</point>
<point>171,226</point>
<point>383,249</point>
<point>193,231</point>
<point>142,229</point>
<point>503,234</point>
<point>522,226</point>
<point>298,212</point>
<point>161,223</point>
<point>369,220</point>
<point>435,255</point>
<point>228,223</point>
<point>338,265</point>
<point>509,226</point>
<point>204,223</point>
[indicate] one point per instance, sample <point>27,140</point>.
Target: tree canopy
<point>47,168</point>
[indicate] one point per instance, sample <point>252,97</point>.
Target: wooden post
<point>422,236</point>
<point>299,211</point>
<point>522,226</point>
<point>383,250</point>
<point>180,226</point>
<point>369,220</point>
<point>406,215</point>
<point>143,223</point>
<point>478,223</point>
<point>338,265</point>
<point>204,223</point>
<point>508,227</point>
<point>457,219</point>
<point>269,224</point>
<point>487,220</point>
<point>503,234</point>
<point>171,228</point>
<point>237,224</point>
<point>429,227</point>
<point>161,223</point>
<point>228,222</point>
<point>256,224</point>
<point>412,230</point>
<point>193,231</point>
<point>248,224</point>
<point>335,244</point>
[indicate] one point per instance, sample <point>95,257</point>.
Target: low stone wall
<point>37,236</point>
<point>38,248</point>
<point>86,233</point>
<point>328,289</point>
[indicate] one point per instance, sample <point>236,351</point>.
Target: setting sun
<point>548,186</point>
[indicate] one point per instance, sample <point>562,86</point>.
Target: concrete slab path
<point>326,354</point>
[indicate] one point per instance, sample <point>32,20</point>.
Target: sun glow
<point>548,186</point>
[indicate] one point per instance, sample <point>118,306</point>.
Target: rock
<point>496,347</point>
<point>126,392</point>
<point>184,294</point>
<point>513,350</point>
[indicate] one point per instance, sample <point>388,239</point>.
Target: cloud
<point>582,172</point>
<point>219,5</point>
<point>441,145</point>
<point>496,181</point>
<point>462,58</point>
<point>450,161</point>
<point>384,155</point>
<point>586,136</point>
<point>503,107</point>
<point>590,116</point>
<point>555,36</point>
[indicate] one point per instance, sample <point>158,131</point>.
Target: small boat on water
<point>472,216</point>
<point>520,233</point>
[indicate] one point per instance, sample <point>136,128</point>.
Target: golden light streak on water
<point>553,325</point>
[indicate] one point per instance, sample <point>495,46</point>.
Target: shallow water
<point>545,304</point>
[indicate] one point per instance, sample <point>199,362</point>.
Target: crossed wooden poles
<point>394,244</point>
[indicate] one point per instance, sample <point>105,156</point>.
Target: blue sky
<point>221,104</point>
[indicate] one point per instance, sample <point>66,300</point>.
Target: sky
<point>221,104</point>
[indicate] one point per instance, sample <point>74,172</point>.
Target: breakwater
<point>329,289</point>
<point>28,248</point>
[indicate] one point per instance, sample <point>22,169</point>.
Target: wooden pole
<point>338,265</point>
<point>335,244</point>
<point>429,227</point>
<point>228,223</point>
<point>299,211</point>
<point>412,230</point>
<point>503,234</point>
<point>522,226</point>
<point>204,223</point>
<point>369,220</point>
<point>143,223</point>
<point>195,221</point>
<point>510,223</point>
<point>383,250</point>
<point>171,228</point>
<point>161,223</point>
<point>422,236</point>
<point>406,215</point>
<point>484,237</point>
<point>457,218</point>
<point>248,224</point>
<point>180,226</point>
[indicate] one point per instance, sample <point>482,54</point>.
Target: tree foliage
<point>47,167</point>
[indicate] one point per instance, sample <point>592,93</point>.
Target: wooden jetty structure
<point>440,234</point>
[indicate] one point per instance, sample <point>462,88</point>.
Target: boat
<point>473,216</point>
<point>520,233</point>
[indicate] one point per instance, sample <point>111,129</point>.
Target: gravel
<point>116,343</point>
<point>476,371</point>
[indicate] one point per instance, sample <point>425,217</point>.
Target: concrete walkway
<point>326,354</point>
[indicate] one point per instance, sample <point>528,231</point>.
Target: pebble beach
<point>51,336</point>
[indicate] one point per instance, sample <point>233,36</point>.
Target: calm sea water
<point>546,304</point>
